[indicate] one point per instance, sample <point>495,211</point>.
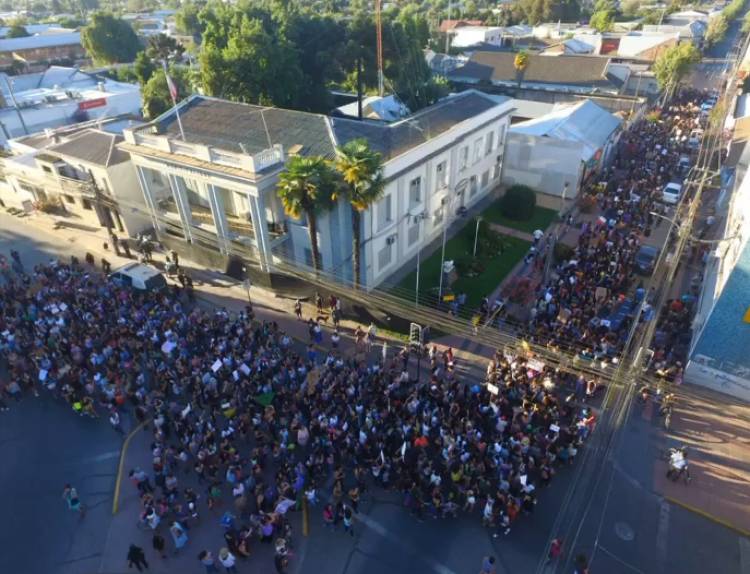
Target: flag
<point>172,87</point>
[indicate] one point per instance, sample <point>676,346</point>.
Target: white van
<point>138,276</point>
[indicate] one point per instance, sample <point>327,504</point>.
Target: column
<point>220,220</point>
<point>148,197</point>
<point>257,213</point>
<point>177,186</point>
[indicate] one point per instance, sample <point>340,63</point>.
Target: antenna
<point>379,27</point>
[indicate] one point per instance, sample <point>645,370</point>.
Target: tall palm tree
<point>520,63</point>
<point>362,172</point>
<point>305,188</point>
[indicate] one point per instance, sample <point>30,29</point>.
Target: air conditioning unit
<point>390,240</point>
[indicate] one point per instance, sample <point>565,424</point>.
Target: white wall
<point>423,162</point>
<point>544,164</point>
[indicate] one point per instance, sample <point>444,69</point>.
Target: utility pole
<point>448,32</point>
<point>359,86</point>
<point>379,26</point>
<point>15,104</point>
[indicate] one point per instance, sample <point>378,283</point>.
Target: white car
<point>671,193</point>
<point>138,276</point>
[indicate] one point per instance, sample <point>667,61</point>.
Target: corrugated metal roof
<point>92,146</point>
<point>41,41</point>
<point>584,122</point>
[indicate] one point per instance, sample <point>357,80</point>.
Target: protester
<point>137,558</point>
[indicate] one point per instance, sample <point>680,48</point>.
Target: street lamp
<point>476,234</point>
<point>418,219</point>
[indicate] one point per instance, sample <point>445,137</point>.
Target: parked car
<point>138,276</point>
<point>671,193</point>
<point>684,165</point>
<point>645,259</point>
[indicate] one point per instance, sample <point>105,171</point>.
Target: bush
<point>518,203</point>
<point>563,252</point>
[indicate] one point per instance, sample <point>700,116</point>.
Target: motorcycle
<point>678,464</point>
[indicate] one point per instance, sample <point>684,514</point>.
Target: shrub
<point>518,203</point>
<point>563,252</point>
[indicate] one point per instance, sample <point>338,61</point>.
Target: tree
<point>305,188</point>
<point>162,47</point>
<point>362,172</point>
<point>187,21</point>
<point>674,63</point>
<point>17,30</point>
<point>109,40</point>
<point>143,67</point>
<point>717,29</point>
<point>156,97</point>
<point>520,63</point>
<point>602,21</point>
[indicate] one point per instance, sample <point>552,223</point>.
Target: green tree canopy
<point>307,187</point>
<point>156,97</point>
<point>361,170</point>
<point>109,40</point>
<point>674,63</point>
<point>717,29</point>
<point>187,20</point>
<point>143,68</point>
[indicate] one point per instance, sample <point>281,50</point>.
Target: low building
<point>79,172</point>
<point>577,74</point>
<point>566,145</point>
<point>60,96</point>
<point>693,32</point>
<point>718,356</point>
<point>449,26</point>
<point>471,36</point>
<point>55,46</point>
<point>213,193</point>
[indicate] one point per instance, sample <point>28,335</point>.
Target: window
<point>69,198</point>
<point>47,169</point>
<point>485,179</point>
<point>86,204</point>
<point>463,159</point>
<point>501,135</point>
<point>489,144</point>
<point>495,171</point>
<point>473,186</point>
<point>384,256</point>
<point>308,257</point>
<point>477,150</point>
<point>415,192</point>
<point>441,175</point>
<point>413,233</point>
<point>385,211</point>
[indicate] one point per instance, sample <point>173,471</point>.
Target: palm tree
<point>306,187</point>
<point>520,63</point>
<point>361,170</point>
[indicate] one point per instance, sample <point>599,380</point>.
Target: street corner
<point>716,442</point>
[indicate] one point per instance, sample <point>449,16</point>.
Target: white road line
<point>377,527</point>
<point>662,532</point>
<point>102,457</point>
<point>744,555</point>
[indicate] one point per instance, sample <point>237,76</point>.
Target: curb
<point>305,518</point>
<point>708,516</point>
<point>123,452</point>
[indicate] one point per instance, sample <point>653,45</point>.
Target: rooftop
<point>40,41</point>
<point>580,71</point>
<point>250,129</point>
<point>583,122</point>
<point>92,146</point>
<point>724,342</point>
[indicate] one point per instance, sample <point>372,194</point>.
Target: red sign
<point>89,104</point>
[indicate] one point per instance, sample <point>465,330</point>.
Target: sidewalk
<point>718,440</point>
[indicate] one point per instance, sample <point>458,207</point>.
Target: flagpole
<point>173,94</point>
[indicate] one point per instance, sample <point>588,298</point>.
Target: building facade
<point>78,173</point>
<point>213,193</point>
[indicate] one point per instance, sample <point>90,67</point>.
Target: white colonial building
<point>212,193</point>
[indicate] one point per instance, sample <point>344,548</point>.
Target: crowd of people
<point>574,309</point>
<point>231,400</point>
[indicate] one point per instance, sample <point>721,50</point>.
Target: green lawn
<point>540,220</point>
<point>460,248</point>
